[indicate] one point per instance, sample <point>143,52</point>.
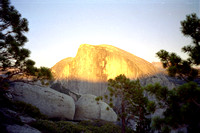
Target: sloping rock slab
<point>50,102</point>
<point>21,129</point>
<point>87,108</point>
<point>58,87</point>
<point>162,79</point>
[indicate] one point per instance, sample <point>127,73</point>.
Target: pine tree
<point>181,107</point>
<point>12,38</point>
<point>191,28</point>
<point>13,55</point>
<point>133,103</point>
<point>173,63</point>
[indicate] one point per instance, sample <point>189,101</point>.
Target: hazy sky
<point>141,27</point>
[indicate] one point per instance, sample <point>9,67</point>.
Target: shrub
<point>83,126</point>
<point>46,126</point>
<point>29,109</point>
<point>68,127</point>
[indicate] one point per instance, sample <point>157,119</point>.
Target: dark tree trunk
<point>123,117</point>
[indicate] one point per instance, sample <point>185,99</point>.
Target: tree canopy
<point>12,38</point>
<point>181,107</point>
<point>191,28</point>
<point>177,66</point>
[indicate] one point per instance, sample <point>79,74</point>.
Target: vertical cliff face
<point>93,65</point>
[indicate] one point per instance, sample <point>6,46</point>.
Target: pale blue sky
<point>141,27</point>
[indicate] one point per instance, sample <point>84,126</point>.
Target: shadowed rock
<point>50,102</point>
<point>21,129</point>
<point>87,108</point>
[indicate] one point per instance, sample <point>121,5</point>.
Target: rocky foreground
<point>20,117</point>
<point>58,105</point>
<point>53,104</point>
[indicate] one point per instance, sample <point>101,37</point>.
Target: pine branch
<point>7,33</point>
<point>5,26</point>
<point>196,103</point>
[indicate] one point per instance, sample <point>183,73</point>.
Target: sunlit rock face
<point>93,65</point>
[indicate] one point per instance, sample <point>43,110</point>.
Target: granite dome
<point>95,64</point>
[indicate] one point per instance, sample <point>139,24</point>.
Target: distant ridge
<point>159,66</point>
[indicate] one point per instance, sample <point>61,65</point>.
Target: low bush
<point>28,109</point>
<point>57,127</point>
<point>83,126</point>
<point>46,126</point>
